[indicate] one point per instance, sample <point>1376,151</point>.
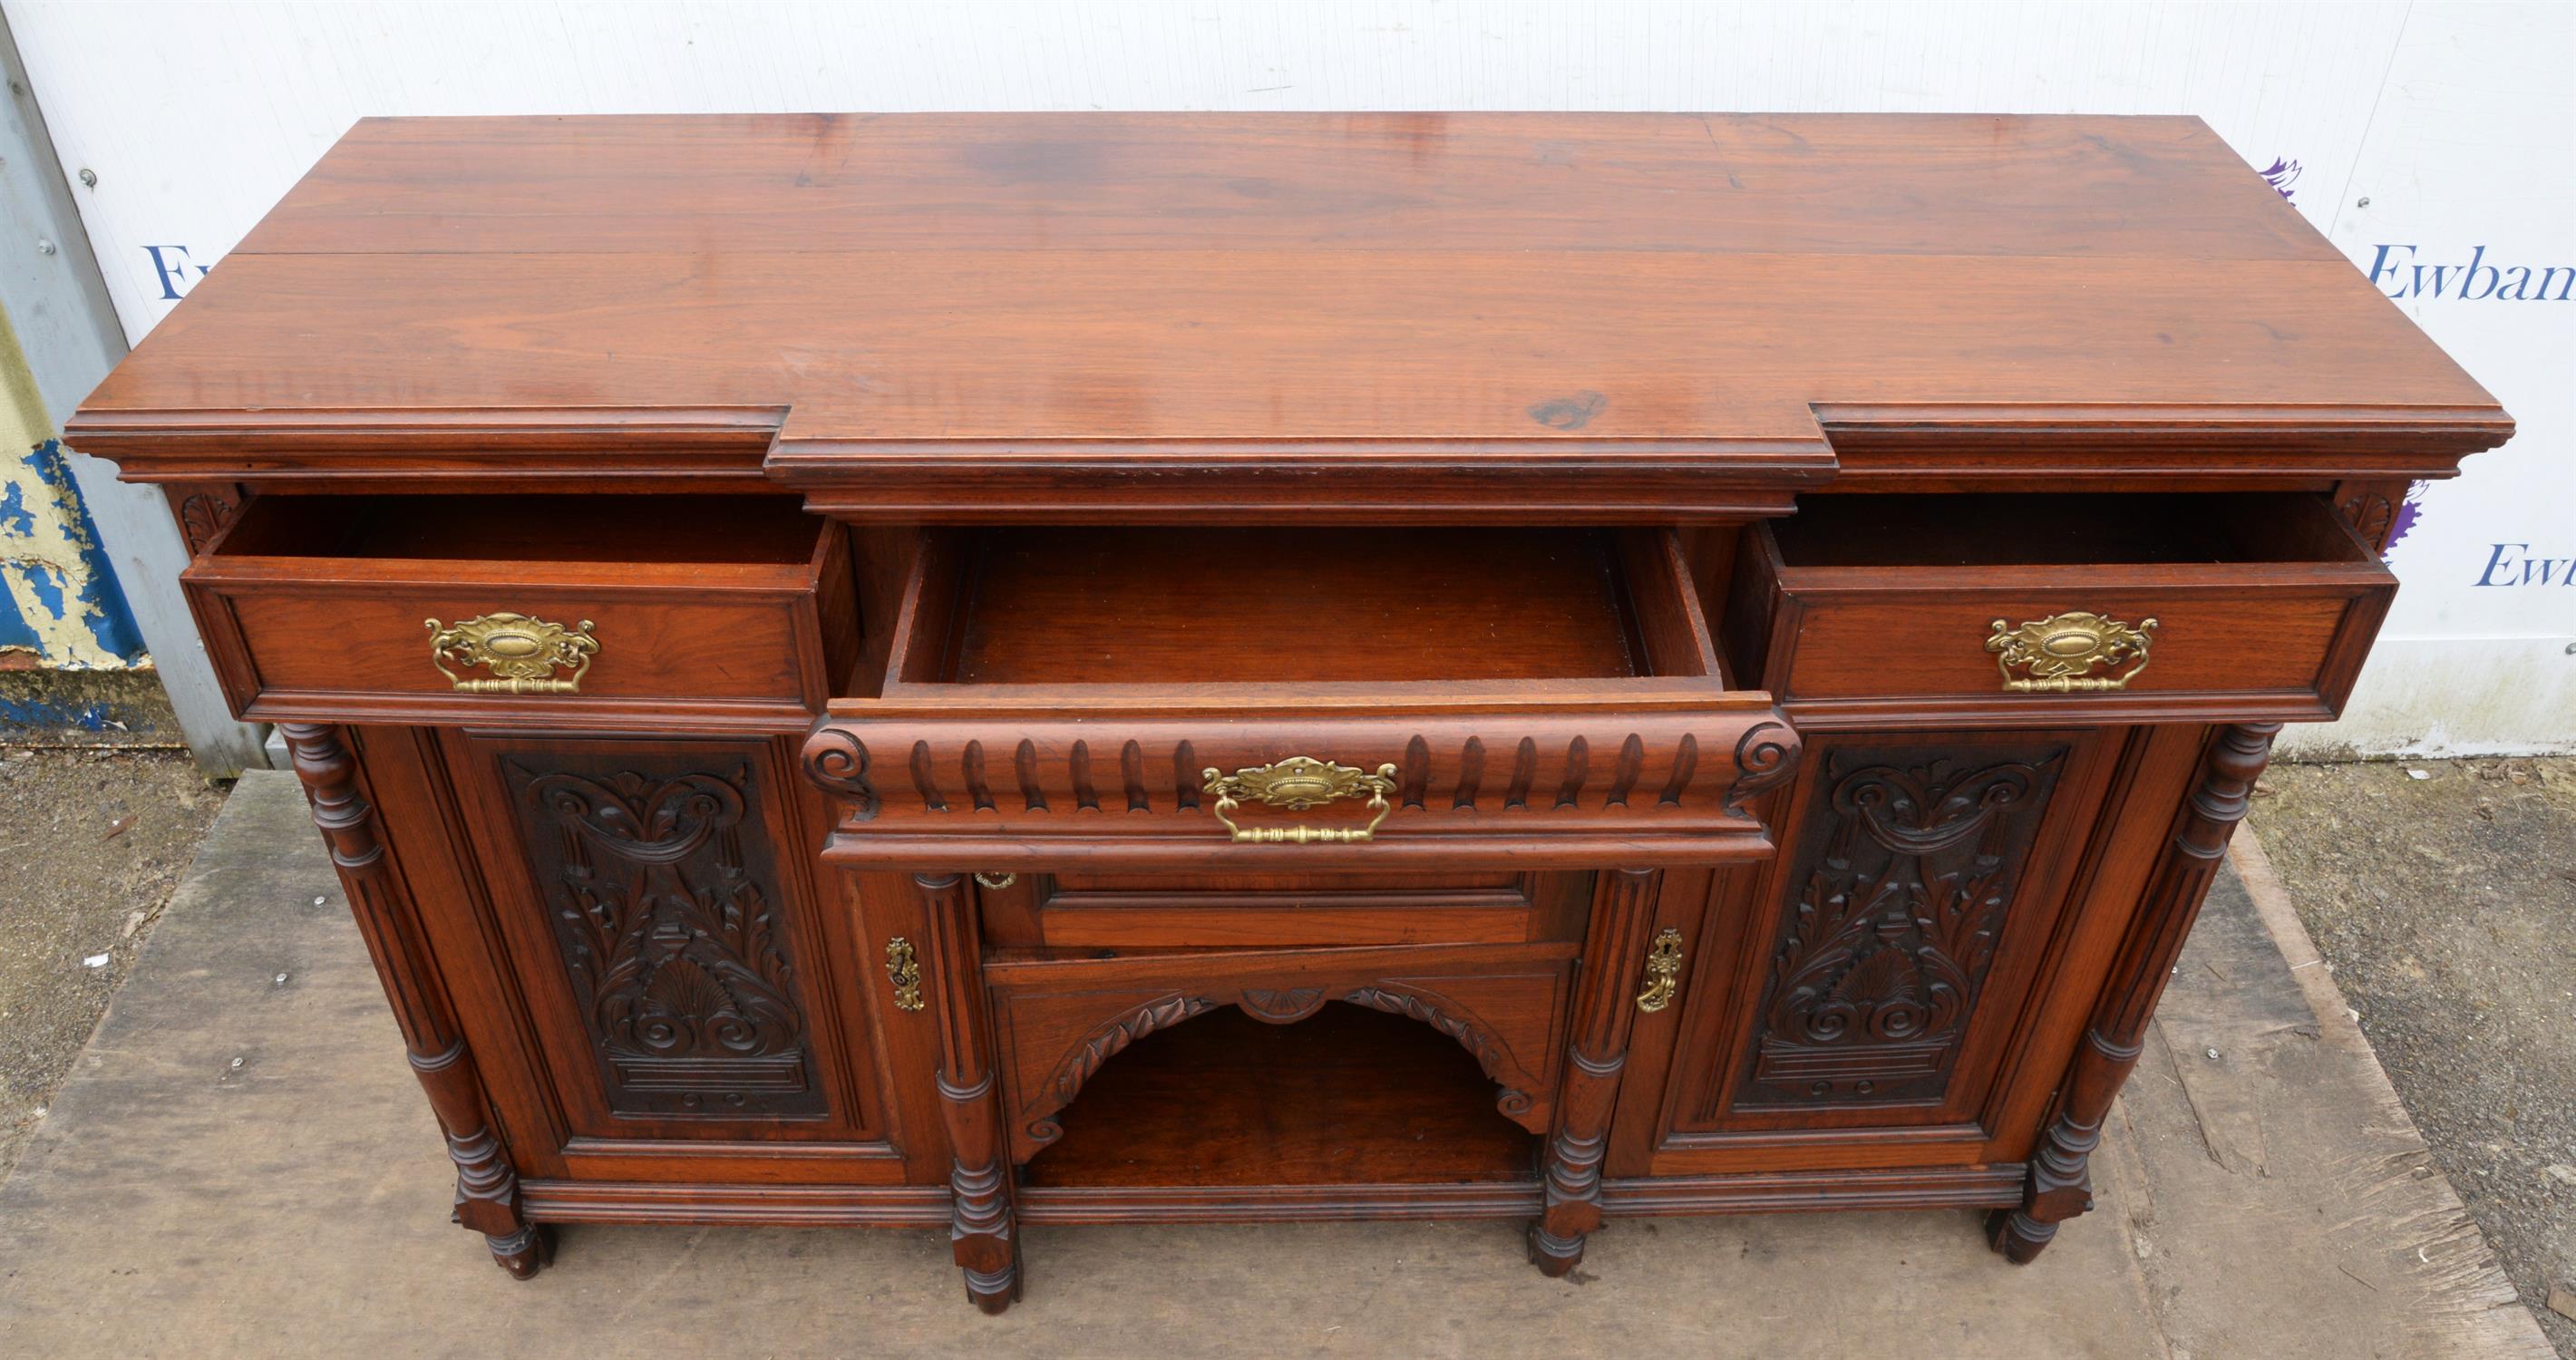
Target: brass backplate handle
<point>1663,971</point>
<point>2058,655</point>
<point>522,653</point>
<point>1298,783</point>
<point>904,971</point>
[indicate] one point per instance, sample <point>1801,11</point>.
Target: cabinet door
<point>660,918</point>
<point>1858,1000</point>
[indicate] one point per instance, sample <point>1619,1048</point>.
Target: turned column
<point>1614,952</point>
<point>2060,1185</point>
<point>487,1187</point>
<point>980,1224</point>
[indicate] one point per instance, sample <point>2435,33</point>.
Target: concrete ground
<point>92,842</point>
<point>2443,893</point>
<point>241,1165</point>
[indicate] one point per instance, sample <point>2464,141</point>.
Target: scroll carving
<point>1040,1126</point>
<point>676,950</point>
<point>1765,755</point>
<point>1904,880</point>
<point>838,763</point>
<point>1100,1046</point>
<point>1445,1016</point>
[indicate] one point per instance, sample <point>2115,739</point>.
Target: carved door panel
<point>660,919</point>
<point>1876,975</point>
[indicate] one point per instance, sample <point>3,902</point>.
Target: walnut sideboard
<point>968,672</point>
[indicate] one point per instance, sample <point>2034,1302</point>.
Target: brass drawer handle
<point>904,971</point>
<point>523,654</point>
<point>1663,971</point>
<point>2057,655</point>
<point>1298,783</point>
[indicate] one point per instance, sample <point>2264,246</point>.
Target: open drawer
<point>555,610</point>
<point>1304,699</point>
<point>2030,608</point>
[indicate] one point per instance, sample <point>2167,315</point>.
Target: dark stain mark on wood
<point>1569,413</point>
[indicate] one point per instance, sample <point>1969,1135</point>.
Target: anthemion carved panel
<point>662,893</point>
<point>1907,866</point>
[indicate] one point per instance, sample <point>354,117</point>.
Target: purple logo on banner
<point>2408,511</point>
<point>2281,175</point>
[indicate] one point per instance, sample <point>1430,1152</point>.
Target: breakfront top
<point>1357,316</point>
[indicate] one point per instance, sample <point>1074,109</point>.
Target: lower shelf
<point>1349,1098</point>
<point>1276,1203</point>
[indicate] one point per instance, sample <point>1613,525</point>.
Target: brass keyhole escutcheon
<point>1663,971</point>
<point>904,971</point>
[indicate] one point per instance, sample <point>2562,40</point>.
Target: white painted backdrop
<point>2444,133</point>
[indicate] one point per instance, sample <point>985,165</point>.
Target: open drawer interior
<point>2241,529</point>
<point>2245,606</point>
<point>618,530</point>
<point>727,611</point>
<point>1433,696</point>
<point>1148,606</point>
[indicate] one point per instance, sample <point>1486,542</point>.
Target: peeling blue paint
<point>41,716</point>
<point>59,598</point>
<point>47,585</point>
<point>15,635</point>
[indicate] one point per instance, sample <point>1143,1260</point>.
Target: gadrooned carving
<point>956,776</point>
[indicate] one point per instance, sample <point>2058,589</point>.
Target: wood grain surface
<point>1576,317</point>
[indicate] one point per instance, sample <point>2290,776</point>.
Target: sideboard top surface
<point>1680,308</point>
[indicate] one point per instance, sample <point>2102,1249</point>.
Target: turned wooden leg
<point>487,1186</point>
<point>2061,1184</point>
<point>980,1222</point>
<point>1614,952</point>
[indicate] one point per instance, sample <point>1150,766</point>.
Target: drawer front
<point>2032,646</point>
<point>2234,609</point>
<point>1058,1021</point>
<point>583,655</point>
<point>1470,776</point>
<point>1094,910</point>
<point>1375,703</point>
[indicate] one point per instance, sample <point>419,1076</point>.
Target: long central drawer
<point>1299,699</point>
